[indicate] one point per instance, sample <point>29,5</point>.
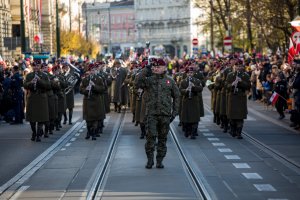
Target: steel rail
<point>270,150</point>
<point>202,192</point>
<point>102,171</point>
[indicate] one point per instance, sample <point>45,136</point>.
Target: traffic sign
<point>227,41</point>
<point>195,41</point>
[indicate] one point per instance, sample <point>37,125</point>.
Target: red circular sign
<point>195,41</point>
<point>227,41</point>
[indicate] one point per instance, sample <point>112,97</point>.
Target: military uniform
<point>37,111</point>
<point>237,101</point>
<point>190,113</point>
<point>161,89</point>
<point>118,91</point>
<point>223,99</point>
<point>93,105</point>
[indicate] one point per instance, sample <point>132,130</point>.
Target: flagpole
<point>22,23</point>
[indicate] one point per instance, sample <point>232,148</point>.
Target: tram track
<point>102,168</point>
<point>284,159</point>
<point>198,184</point>
<point>267,149</point>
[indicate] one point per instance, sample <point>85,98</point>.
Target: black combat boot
<point>33,128</point>
<point>239,133</point>
<point>133,118</point>
<point>116,107</point>
<point>94,134</point>
<point>218,121</point>
<point>39,133</point>
<point>150,161</point>
<point>46,130</point>
<point>215,118</point>
<point>65,118</point>
<point>225,128</point>
<point>159,163</point>
<point>33,136</point>
<point>70,116</point>
<point>88,133</point>
<point>143,129</point>
<point>233,131</point>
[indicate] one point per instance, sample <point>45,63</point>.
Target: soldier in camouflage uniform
<point>237,84</point>
<point>162,104</point>
<point>37,112</point>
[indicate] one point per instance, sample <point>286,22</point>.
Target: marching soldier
<point>223,98</point>
<point>118,74</point>
<point>69,91</point>
<point>61,97</point>
<point>237,84</point>
<point>49,125</point>
<point>178,77</point>
<point>132,90</point>
<point>104,97</point>
<point>92,87</point>
<point>160,109</point>
<point>37,112</point>
<point>190,88</point>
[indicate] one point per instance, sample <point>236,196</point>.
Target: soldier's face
<point>159,69</point>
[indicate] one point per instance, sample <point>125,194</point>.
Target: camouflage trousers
<point>157,127</point>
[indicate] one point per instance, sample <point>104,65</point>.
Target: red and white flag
<point>274,98</point>
<point>292,52</point>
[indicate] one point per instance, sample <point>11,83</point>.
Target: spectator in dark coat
<point>18,95</point>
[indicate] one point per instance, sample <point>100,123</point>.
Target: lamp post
<point>57,32</point>
<point>23,40</point>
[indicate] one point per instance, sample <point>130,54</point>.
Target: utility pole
<point>57,32</point>
<point>70,15</point>
<point>299,7</point>
<point>212,27</point>
<point>86,23</point>
<point>23,40</point>
<point>109,29</point>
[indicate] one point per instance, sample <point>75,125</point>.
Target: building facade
<point>5,25</point>
<point>112,24</point>
<point>166,24</point>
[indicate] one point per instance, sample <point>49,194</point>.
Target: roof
<point>122,3</point>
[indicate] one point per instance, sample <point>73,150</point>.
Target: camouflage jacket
<point>162,94</point>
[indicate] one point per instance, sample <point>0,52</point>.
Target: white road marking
<point>63,149</point>
<point>264,187</point>
<point>225,150</point>
<point>252,176</point>
<point>73,139</point>
<point>77,134</point>
<point>208,134</point>
<point>218,144</point>
<point>213,139</point>
<point>68,144</point>
<point>19,192</point>
<point>80,131</point>
<point>203,130</point>
<point>241,165</point>
<point>36,164</point>
<point>232,157</point>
